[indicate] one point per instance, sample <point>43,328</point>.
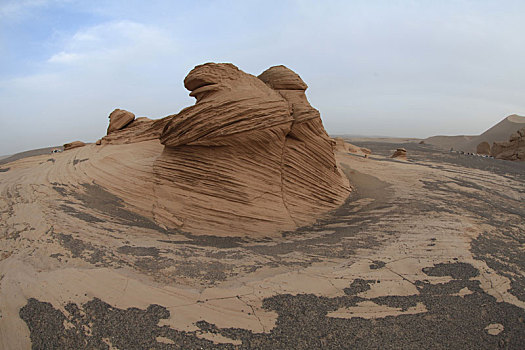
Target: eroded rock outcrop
<point>140,129</point>
<point>342,146</point>
<point>74,144</point>
<point>311,179</point>
<point>514,149</point>
<point>119,119</point>
<point>483,148</point>
<point>251,155</point>
<point>400,153</point>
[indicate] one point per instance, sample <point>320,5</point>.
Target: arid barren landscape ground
<point>222,227</point>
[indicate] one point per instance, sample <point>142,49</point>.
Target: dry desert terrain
<point>426,252</point>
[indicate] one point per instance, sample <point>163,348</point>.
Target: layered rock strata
<point>400,153</point>
<point>251,157</point>
<point>140,129</point>
<point>119,119</point>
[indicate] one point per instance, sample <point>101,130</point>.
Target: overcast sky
<point>395,68</point>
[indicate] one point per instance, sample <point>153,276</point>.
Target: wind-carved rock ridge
<point>514,149</point>
<point>251,157</point>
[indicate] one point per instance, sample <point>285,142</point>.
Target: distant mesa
<point>483,148</point>
<point>74,144</point>
<point>513,149</point>
<point>400,153</point>
<point>250,157</point>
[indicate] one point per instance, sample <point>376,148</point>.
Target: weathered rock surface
<point>251,157</point>
<point>282,78</point>
<point>140,129</point>
<point>483,148</point>
<point>119,119</point>
<point>246,157</point>
<point>312,181</point>
<point>514,149</point>
<point>74,144</point>
<point>400,153</point>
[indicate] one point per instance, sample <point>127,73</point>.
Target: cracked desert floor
<point>427,252</point>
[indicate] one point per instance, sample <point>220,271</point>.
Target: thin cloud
<point>64,57</point>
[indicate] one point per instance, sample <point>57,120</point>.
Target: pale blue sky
<point>396,68</point>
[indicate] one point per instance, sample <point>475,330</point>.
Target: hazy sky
<point>398,68</point>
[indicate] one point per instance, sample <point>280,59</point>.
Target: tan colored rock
<point>312,182</point>
<point>229,102</point>
<point>400,153</point>
<point>119,119</point>
<point>74,144</point>
<point>246,158</point>
<point>282,78</point>
<point>514,149</point>
<point>99,142</point>
<point>140,129</point>
<point>342,146</point>
<point>483,148</point>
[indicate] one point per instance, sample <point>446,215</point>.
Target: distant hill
<point>447,142</point>
<point>34,152</point>
<point>499,132</point>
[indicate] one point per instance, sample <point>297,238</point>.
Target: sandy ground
<point>426,253</point>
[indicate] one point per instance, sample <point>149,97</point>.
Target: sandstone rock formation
<point>140,129</point>
<point>74,144</point>
<point>514,149</point>
<point>483,148</point>
<point>365,150</point>
<point>400,153</point>
<point>118,119</point>
<point>251,155</point>
<point>342,146</point>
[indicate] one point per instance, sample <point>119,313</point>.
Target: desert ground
<point>427,252</point>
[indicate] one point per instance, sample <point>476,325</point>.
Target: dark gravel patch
<point>417,153</point>
<point>450,322</point>
<point>76,161</point>
<point>139,251</point>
